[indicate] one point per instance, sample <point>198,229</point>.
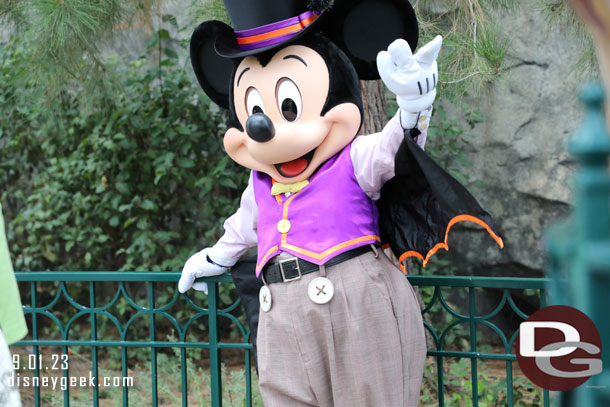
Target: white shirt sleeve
<point>373,156</point>
<point>240,230</point>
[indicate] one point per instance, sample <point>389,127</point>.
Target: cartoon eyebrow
<point>296,57</point>
<point>241,74</point>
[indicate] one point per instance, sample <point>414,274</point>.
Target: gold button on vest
<point>283,226</point>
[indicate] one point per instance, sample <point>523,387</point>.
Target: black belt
<point>292,269</point>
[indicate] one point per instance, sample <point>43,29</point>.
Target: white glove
<point>202,264</point>
<point>412,78</point>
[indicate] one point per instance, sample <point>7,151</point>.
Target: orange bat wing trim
<point>443,245</point>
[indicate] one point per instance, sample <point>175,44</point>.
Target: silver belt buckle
<point>281,263</point>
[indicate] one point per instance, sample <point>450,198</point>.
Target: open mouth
<point>295,167</point>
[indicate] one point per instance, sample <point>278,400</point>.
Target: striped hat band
<point>274,33</point>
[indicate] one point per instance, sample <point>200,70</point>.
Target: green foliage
<point>561,17</point>
<point>139,181</point>
<point>64,38</point>
<point>474,46</point>
<point>491,389</point>
<point>447,138</point>
<point>210,10</point>
<point>448,133</point>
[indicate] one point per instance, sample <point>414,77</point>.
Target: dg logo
<point>559,348</point>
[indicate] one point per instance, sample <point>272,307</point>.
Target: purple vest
<point>331,215</point>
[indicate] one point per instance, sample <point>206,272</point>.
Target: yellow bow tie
<point>279,188</point>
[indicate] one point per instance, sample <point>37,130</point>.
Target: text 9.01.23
<point>57,362</point>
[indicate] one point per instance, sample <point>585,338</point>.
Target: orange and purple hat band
<point>274,33</point>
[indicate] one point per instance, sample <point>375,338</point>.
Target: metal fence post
<point>580,249</point>
<point>94,360</point>
<point>215,368</point>
<point>153,350</point>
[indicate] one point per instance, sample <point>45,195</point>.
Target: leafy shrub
<point>136,179</point>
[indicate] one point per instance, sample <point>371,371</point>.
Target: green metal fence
<point>579,248</point>
<point>145,304</point>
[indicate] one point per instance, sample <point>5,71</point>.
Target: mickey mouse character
<point>338,324</point>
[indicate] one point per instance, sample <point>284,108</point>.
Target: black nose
<point>260,127</point>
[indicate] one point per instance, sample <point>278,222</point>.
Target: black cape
<point>417,208</point>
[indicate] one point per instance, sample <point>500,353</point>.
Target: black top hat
<point>265,24</point>
<point>361,28</point>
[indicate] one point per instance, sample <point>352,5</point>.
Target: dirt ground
<point>169,379</point>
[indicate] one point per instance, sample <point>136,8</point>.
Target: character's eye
<point>254,102</point>
<point>289,99</point>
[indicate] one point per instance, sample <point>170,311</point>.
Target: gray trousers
<point>366,347</point>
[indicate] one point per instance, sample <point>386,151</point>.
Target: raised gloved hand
<point>412,78</point>
<point>206,263</point>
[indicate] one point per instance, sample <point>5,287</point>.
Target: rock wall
<point>519,151</point>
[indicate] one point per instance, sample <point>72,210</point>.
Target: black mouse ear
<point>363,28</point>
<point>213,71</point>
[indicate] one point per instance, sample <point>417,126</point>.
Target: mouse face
<point>286,131</point>
<point>290,76</point>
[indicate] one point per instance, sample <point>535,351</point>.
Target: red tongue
<point>294,167</point>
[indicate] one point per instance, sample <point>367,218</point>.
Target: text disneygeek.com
<point>62,383</point>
